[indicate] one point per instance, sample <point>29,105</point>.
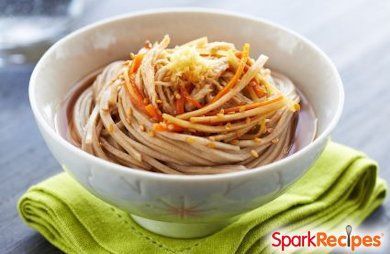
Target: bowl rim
<point>160,176</point>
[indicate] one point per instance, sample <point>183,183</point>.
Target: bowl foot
<point>179,230</point>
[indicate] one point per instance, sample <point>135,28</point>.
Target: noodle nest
<point>198,108</point>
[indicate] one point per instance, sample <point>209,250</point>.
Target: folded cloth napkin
<point>342,185</point>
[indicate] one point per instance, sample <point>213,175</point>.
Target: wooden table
<point>355,34</point>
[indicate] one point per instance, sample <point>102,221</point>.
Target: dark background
<point>355,34</point>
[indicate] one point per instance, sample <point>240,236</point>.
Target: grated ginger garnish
<point>186,63</point>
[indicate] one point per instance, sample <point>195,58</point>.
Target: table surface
<point>355,34</point>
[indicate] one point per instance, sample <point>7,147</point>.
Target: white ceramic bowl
<point>173,205</point>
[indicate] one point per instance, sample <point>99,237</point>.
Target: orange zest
<point>237,75</point>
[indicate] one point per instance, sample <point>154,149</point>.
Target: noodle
<point>198,108</point>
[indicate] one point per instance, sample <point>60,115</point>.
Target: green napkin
<point>341,186</point>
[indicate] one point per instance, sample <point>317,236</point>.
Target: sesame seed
<point>234,142</point>
<point>220,115</point>
<point>228,126</point>
<point>266,72</point>
<point>263,127</point>
<point>110,128</point>
<point>275,140</point>
<point>148,44</point>
<point>257,140</point>
<point>129,112</point>
<point>254,154</point>
<point>211,145</point>
<point>142,128</point>
<point>163,124</point>
<point>190,140</point>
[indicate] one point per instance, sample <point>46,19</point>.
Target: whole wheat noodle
<point>198,108</point>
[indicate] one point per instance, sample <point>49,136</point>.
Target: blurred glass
<point>29,27</point>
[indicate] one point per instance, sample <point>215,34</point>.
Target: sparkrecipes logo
<point>326,240</point>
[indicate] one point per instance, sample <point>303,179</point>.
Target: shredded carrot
<point>260,91</point>
<point>187,96</point>
<point>180,105</point>
<point>265,85</point>
<point>252,92</point>
<point>135,94</point>
<point>252,105</point>
<point>136,63</point>
<point>174,128</point>
<point>153,112</point>
<point>162,126</point>
<point>237,75</point>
